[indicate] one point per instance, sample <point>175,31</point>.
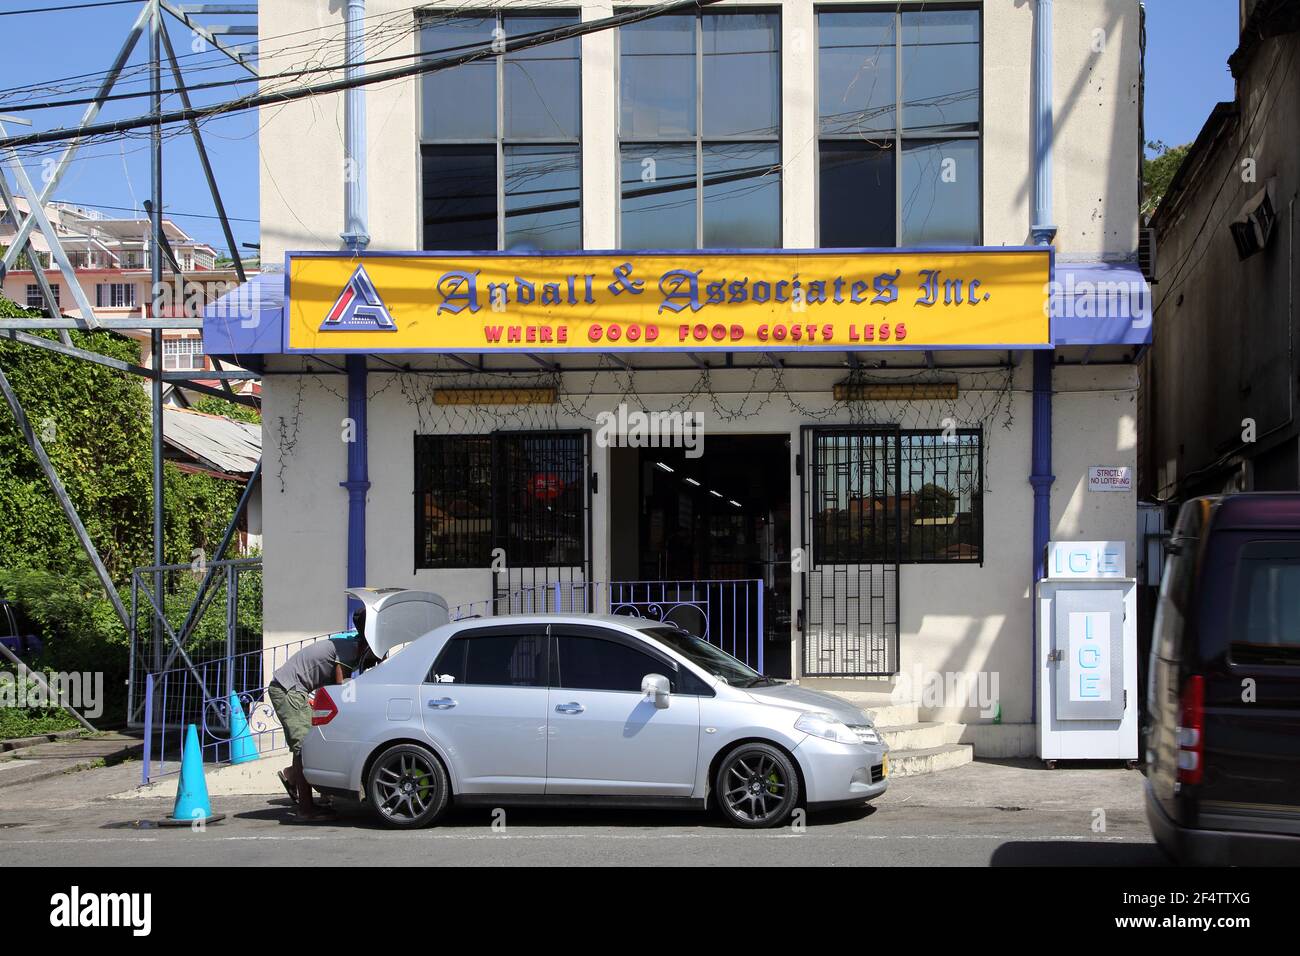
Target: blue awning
<point>1100,303</point>
<point>248,320</point>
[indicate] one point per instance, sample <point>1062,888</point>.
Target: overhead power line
<point>65,6</point>
<point>333,86</point>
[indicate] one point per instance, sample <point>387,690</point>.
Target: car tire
<point>756,786</point>
<point>407,787</point>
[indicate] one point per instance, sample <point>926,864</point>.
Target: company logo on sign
<point>359,308</point>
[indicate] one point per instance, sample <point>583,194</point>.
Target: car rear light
<point>1191,731</point>
<point>323,708</point>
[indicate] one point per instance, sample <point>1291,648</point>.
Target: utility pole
<point>156,298</point>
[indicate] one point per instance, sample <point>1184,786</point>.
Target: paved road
<point>984,814</point>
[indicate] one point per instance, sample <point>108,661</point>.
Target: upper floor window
<point>899,128</point>
<point>499,150</point>
<point>700,131</point>
<point>34,298</point>
<point>183,355</point>
<point>115,295</point>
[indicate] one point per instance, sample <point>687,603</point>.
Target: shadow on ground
<point>354,816</point>
<point>1070,853</point>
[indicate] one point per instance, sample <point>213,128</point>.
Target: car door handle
<point>442,703</point>
<point>573,707</point>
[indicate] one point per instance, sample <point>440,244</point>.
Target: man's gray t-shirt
<point>313,666</point>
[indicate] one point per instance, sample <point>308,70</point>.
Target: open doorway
<point>724,516</point>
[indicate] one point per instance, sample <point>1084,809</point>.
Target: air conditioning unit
<point>1147,253</point>
<point>1253,227</point>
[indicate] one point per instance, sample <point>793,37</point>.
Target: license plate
<point>884,766</point>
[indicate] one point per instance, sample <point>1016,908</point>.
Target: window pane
<point>454,501</point>
<point>742,69</point>
<point>540,488</point>
<point>1267,604</point>
<point>501,660</point>
<point>541,83</point>
<point>657,78</point>
<point>742,195</point>
<point>941,496</point>
<point>542,197</point>
<point>460,197</point>
<point>855,497</point>
<point>856,194</point>
<point>941,71</point>
<point>658,184</point>
<point>589,663</point>
<point>460,103</point>
<point>856,80</point>
<point>941,193</point>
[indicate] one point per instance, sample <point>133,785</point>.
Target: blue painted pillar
<point>1043,230</point>
<point>358,482</point>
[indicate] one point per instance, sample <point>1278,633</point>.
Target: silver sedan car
<point>585,710</point>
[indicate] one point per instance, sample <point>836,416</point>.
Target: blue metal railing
<point>728,614</point>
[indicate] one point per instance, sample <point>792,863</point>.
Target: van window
<point>1266,604</point>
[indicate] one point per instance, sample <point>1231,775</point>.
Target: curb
<point>19,743</point>
<point>109,759</point>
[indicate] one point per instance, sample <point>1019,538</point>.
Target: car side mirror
<point>656,688</point>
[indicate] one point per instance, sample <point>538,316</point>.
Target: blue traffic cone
<point>242,746</point>
<point>192,803</point>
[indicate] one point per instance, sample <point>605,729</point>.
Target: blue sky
<point>1188,43</point>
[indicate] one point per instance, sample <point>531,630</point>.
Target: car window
<point>496,659</point>
<point>1266,605</point>
<point>593,663</point>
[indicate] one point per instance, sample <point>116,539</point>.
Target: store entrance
<point>721,517</point>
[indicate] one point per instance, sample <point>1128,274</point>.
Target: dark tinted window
<point>592,663</point>
<point>460,197</point>
<point>857,194</point>
<point>512,660</point>
<point>1267,604</point>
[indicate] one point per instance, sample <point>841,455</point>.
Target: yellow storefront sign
<point>992,298</point>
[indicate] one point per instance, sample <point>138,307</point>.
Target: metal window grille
<point>453,501</point>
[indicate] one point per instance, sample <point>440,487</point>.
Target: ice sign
<point>1089,656</point>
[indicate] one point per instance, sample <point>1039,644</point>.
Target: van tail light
<point>1191,731</point>
<point>323,708</point>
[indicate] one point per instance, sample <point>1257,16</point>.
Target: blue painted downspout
<point>355,236</point>
<point>1043,230</point>
<point>358,483</point>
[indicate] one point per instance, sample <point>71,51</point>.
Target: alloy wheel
<point>755,787</point>
<point>405,784</point>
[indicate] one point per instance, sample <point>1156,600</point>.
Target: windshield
<point>712,660</point>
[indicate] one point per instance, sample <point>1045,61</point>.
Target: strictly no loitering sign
<point>664,301</point>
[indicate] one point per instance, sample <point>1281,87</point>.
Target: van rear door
<point>1250,648</point>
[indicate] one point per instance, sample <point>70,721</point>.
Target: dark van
<point>1223,691</point>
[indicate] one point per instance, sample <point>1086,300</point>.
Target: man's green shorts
<point>294,712</point>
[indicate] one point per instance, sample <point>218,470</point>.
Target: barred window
<point>523,492</point>
<point>453,501</point>
<point>883,496</point>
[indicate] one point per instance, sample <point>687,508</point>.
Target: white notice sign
<point>1110,478</point>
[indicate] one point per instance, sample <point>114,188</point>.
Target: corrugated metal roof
<point>216,443</point>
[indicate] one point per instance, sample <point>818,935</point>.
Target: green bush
<point>94,423</point>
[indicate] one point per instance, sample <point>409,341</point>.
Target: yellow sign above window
<point>667,301</point>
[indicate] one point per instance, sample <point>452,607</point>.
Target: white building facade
<point>867,496</point>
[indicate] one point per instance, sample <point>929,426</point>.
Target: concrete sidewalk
<point>67,755</point>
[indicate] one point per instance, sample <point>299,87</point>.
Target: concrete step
<point>883,711</point>
<point>909,763</point>
<point>923,735</point>
<point>893,715</point>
